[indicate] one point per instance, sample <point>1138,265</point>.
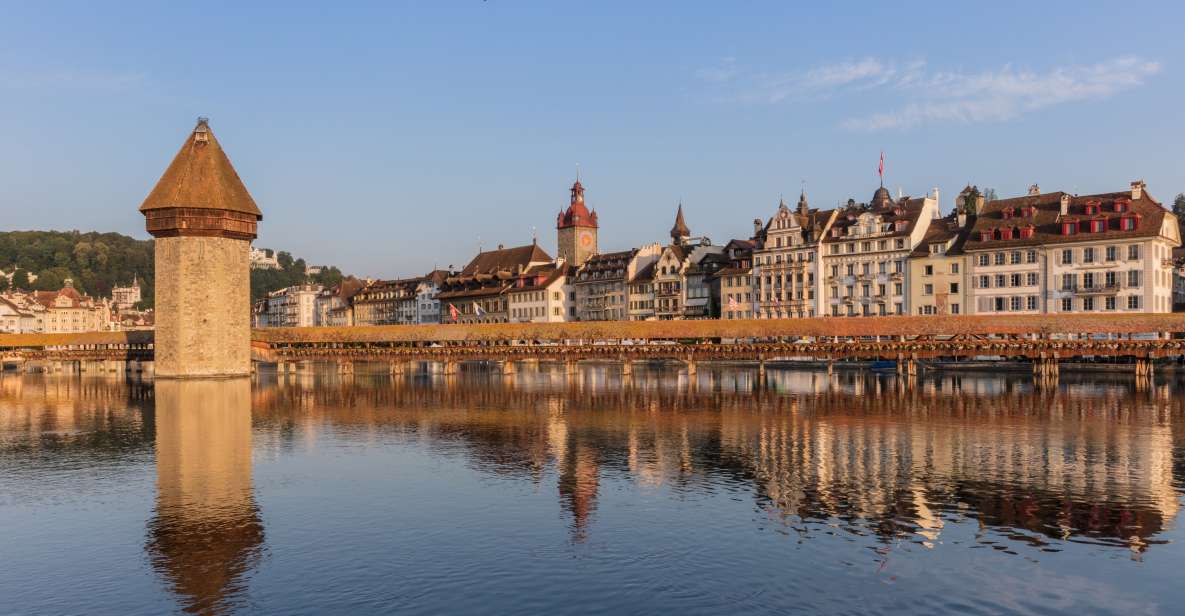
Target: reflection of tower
<point>578,489</point>
<point>206,535</point>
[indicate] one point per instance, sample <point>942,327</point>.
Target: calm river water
<point>539,493</point>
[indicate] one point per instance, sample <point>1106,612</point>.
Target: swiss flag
<point>452,310</point>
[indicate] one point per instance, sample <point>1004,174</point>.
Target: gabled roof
<point>537,277</point>
<point>201,177</point>
<point>646,274</point>
<point>505,259</point>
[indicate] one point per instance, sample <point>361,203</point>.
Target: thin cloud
<point>923,96</point>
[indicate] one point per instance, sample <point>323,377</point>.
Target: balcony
<point>1099,288</point>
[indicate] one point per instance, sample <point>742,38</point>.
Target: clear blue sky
<point>389,138</point>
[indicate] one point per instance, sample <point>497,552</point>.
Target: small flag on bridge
<point>478,311</point>
<point>452,310</point>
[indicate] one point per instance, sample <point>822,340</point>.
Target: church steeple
<point>680,233</point>
<point>803,207</point>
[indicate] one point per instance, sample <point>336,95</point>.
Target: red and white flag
<point>732,303</point>
<point>880,169</point>
<point>452,310</point>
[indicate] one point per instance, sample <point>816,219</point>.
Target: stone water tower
<point>203,220</point>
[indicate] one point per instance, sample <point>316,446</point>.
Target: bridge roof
<point>713,328</point>
<point>201,177</point>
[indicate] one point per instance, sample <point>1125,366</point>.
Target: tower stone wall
<point>203,307</point>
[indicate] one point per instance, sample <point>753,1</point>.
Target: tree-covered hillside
<point>95,261</point>
<point>99,261</point>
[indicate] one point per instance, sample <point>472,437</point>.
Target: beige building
<point>937,269</point>
<point>641,294</point>
<point>541,295</point>
<point>15,318</point>
<point>67,311</point>
<point>1063,253</point>
<point>601,284</point>
<point>866,251</point>
<point>478,294</point>
<point>786,265</point>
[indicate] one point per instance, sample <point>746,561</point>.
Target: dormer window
<point>985,236</point>
<point>902,224</point>
<point>1027,232</point>
<point>1092,207</point>
<point>1123,205</point>
<point>1008,212</point>
<point>1069,227</point>
<point>898,211</point>
<point>1129,223</point>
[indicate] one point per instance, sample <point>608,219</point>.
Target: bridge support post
<point>396,368</point>
<point>830,366</point>
<point>761,370</point>
<point>507,368</point>
<point>627,368</point>
<point>345,367</point>
<point>691,367</point>
<point>571,368</point>
<point>448,367</point>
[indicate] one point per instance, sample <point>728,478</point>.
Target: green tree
<point>285,260</point>
<point>52,279</point>
<point>4,283</point>
<point>1179,205</point>
<point>989,195</point>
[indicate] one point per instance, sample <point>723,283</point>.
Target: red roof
<point>577,214</point>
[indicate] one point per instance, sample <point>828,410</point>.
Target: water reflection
<point>205,536</point>
<point>872,455</point>
<point>655,493</point>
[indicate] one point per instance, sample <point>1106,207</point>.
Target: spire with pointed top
<point>803,207</point>
<point>680,232</point>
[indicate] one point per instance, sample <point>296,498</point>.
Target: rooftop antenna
<point>535,233</point>
<point>577,172</point>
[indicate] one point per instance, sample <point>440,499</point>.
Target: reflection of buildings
<point>206,535</point>
<point>855,450</point>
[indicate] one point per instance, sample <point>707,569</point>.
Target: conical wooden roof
<point>201,177</point>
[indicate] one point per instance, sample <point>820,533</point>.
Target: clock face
<point>586,239</point>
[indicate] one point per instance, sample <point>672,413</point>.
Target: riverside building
<point>786,266</point>
<point>1062,253</point>
<point>866,250</point>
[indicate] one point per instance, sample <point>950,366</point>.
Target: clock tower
<point>576,229</point>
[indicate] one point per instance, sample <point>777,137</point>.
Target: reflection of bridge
<point>1041,339</point>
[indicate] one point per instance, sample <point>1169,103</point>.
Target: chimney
<point>978,204</point>
<point>962,217</point>
<point>1138,187</point>
<point>1034,190</point>
<point>1065,204</point>
<point>756,227</point>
